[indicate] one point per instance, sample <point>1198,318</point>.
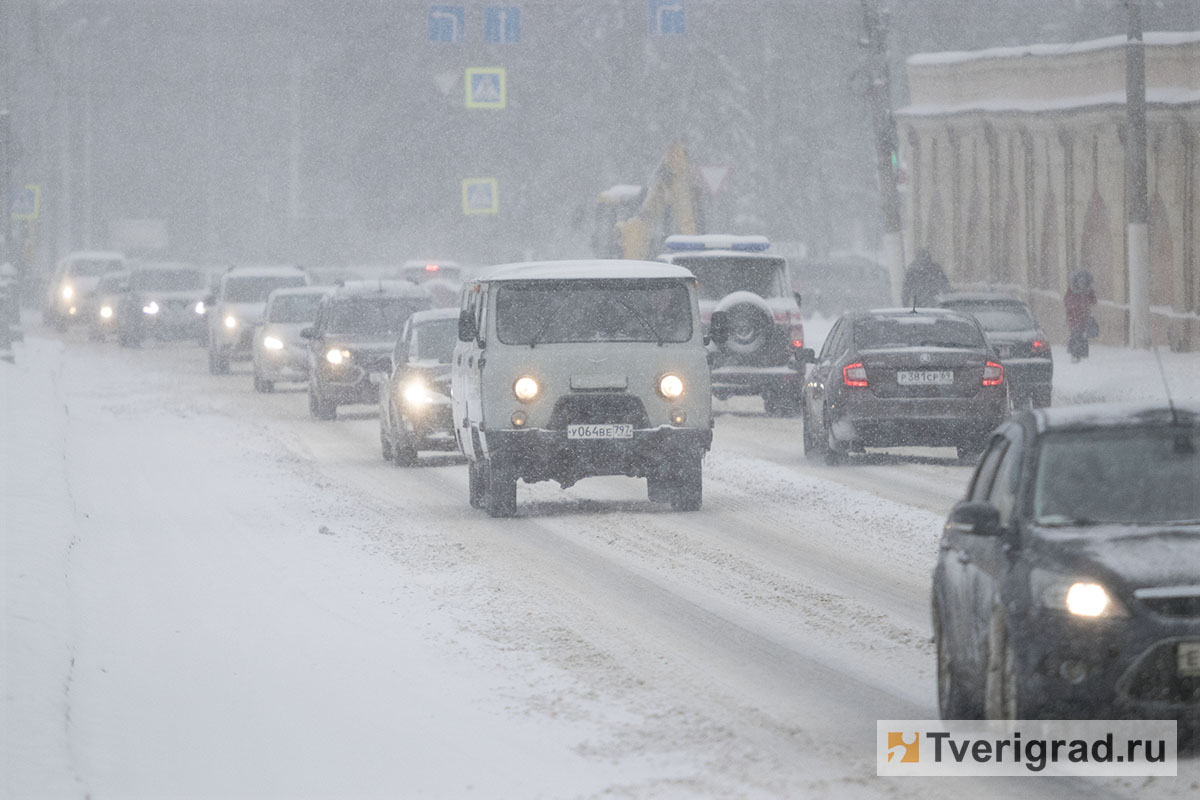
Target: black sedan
<point>894,377</point>
<point>1068,581</point>
<point>414,403</point>
<point>1017,338</point>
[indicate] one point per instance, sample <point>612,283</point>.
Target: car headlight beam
<point>1087,600</point>
<point>68,292</point>
<point>1077,596</point>
<point>337,357</point>
<point>417,394</point>
<point>230,321</point>
<point>106,312</point>
<point>150,308</point>
<point>271,343</point>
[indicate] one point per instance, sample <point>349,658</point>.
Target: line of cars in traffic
<point>1066,583</point>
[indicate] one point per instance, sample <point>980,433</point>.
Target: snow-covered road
<point>208,594</point>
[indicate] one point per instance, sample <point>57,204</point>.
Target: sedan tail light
<point>993,374</point>
<point>795,330</point>
<point>854,374</point>
<point>1041,348</point>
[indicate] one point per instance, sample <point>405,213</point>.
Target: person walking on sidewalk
<point>1079,301</point>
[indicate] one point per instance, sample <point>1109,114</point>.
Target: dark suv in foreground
<point>1068,579</point>
<point>350,345</point>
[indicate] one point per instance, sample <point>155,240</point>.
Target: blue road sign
<point>666,17</point>
<point>486,87</point>
<point>502,24</point>
<point>447,23</point>
<point>24,201</point>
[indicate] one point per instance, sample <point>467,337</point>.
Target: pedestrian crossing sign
<point>24,202</point>
<point>485,87</point>
<point>479,196</point>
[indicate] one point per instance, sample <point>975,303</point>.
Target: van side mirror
<point>974,519</point>
<point>718,327</point>
<point>468,331</point>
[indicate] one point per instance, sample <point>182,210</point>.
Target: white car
<point>279,352</point>
<point>70,296</point>
<point>570,369</point>
<point>237,307</point>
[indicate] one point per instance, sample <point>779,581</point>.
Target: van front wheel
<point>501,495</point>
<point>688,492</point>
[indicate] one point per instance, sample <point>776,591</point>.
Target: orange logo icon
<point>903,747</point>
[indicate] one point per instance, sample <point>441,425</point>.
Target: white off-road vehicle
<point>570,369</point>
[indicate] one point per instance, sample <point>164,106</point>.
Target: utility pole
<point>6,148</point>
<point>886,149</point>
<point>1136,202</point>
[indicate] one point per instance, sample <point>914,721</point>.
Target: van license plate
<point>925,377</point>
<point>1188,656</point>
<point>610,431</point>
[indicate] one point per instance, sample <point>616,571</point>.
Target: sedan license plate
<point>1188,659</point>
<point>925,377</point>
<point>607,431</point>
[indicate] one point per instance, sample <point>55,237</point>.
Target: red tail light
<point>1041,348</point>
<point>795,330</point>
<point>993,374</point>
<point>854,374</point>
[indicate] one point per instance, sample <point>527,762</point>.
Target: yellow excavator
<point>671,204</point>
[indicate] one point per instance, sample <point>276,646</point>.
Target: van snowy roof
<point>590,269</point>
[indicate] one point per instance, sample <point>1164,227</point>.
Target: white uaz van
<point>570,369</point>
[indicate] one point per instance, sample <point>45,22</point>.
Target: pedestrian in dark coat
<point>1079,301</point>
<point>924,280</point>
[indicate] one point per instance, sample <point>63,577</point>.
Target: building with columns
<point>1016,175</point>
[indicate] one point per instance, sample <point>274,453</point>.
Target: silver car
<point>279,352</point>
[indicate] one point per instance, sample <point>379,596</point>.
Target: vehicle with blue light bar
<point>739,276</point>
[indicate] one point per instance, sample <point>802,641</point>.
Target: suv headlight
<point>337,357</point>
<point>1078,597</point>
<point>68,292</point>
<point>150,308</point>
<point>106,312</point>
<point>417,394</point>
<point>271,343</point>
<point>199,307</point>
<point>230,321</point>
<point>670,386</point>
<point>526,388</point>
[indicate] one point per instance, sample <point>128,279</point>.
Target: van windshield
<point>593,311</point>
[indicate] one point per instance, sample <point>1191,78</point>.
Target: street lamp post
<point>1136,203</point>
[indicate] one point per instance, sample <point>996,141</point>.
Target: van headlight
<point>526,388</point>
<point>337,357</point>
<point>106,312</point>
<point>670,386</point>
<point>68,292</point>
<point>230,321</point>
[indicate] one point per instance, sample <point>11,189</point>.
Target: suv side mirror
<point>718,327</point>
<point>798,298</point>
<point>805,355</point>
<point>467,330</point>
<point>308,333</point>
<point>974,519</point>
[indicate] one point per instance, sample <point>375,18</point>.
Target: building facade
<point>1016,175</point>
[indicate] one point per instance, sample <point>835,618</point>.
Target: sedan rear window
<point>881,333</point>
<point>999,316</point>
<point>1125,475</point>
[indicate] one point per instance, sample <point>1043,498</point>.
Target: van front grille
<point>596,409</point>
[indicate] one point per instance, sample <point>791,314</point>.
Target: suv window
<point>167,280</point>
<point>254,289</point>
<point>1131,475</point>
<point>93,268</point>
<point>294,308</point>
<point>374,317</point>
<point>718,277</point>
<point>593,311</point>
